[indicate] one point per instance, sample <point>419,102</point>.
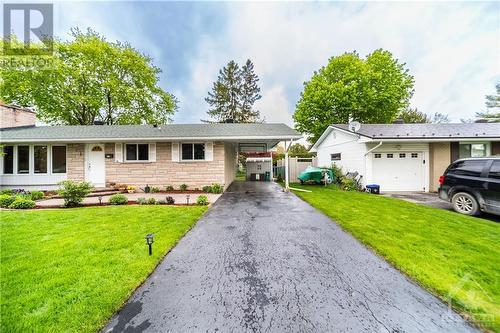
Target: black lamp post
<point>187,199</point>
<point>149,242</point>
<point>100,200</point>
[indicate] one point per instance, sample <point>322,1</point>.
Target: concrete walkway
<point>265,261</point>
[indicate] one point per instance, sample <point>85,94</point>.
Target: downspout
<point>366,154</point>
<point>287,184</point>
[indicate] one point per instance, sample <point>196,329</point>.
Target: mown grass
<point>70,270</point>
<point>455,256</point>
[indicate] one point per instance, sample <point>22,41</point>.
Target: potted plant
<point>130,189</point>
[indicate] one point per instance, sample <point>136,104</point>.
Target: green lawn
<point>454,256</point>
<point>70,270</point>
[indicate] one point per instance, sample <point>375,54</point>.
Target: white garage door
<point>399,171</point>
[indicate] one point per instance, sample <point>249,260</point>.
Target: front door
<point>95,168</point>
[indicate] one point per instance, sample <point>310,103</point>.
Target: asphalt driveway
<point>264,260</point>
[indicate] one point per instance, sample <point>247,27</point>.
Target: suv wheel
<point>464,203</point>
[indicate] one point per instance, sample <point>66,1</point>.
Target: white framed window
<point>402,155</point>
<point>136,152</point>
<point>193,152</point>
<point>336,157</point>
<point>33,159</point>
<point>414,155</point>
<point>378,155</point>
<point>474,149</point>
<point>390,155</point>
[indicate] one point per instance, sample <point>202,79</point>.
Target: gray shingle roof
<point>170,131</point>
<point>427,131</point>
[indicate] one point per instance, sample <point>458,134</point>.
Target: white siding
<point>352,152</point>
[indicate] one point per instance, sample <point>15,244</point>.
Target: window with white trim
<point>136,152</point>
<point>402,155</point>
<point>390,155</point>
<point>40,159</point>
<point>193,151</point>
<point>23,159</point>
<point>58,159</point>
<point>8,160</point>
<point>479,149</point>
<point>414,155</point>
<point>378,155</point>
<point>336,157</point>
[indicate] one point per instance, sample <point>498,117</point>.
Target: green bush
<point>73,193</point>
<point>141,201</point>
<point>217,188</point>
<point>348,184</point>
<point>151,201</point>
<point>118,199</point>
<point>169,188</point>
<point>7,191</point>
<point>183,187</point>
<point>22,203</point>
<point>170,200</point>
<point>6,200</point>
<point>207,189</point>
<point>161,202</point>
<point>155,189</point>
<point>36,195</point>
<point>202,200</point>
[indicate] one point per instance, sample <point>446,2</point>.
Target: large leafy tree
<point>413,116</point>
<point>234,93</point>
<point>90,79</point>
<point>370,90</point>
<point>493,105</point>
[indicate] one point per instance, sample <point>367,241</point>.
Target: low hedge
<point>118,199</point>
<point>22,203</point>
<point>6,200</point>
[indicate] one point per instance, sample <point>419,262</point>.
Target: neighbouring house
<point>404,157</point>
<point>138,155</point>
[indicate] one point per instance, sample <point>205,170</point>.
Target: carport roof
<point>169,132</point>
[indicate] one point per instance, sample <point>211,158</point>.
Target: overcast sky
<point>452,49</point>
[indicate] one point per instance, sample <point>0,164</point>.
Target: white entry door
<point>399,171</point>
<point>95,171</point>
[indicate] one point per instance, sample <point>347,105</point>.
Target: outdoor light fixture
<point>149,242</point>
<point>100,200</point>
<point>187,199</point>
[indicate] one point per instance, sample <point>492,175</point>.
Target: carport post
<point>287,181</point>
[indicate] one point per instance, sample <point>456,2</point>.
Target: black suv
<point>472,185</point>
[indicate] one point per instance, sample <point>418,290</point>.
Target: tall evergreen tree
<point>233,94</point>
<point>249,94</point>
<point>492,115</point>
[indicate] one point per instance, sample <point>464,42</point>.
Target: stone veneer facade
<point>162,172</point>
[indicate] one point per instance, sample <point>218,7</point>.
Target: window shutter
<point>152,152</point>
<point>118,152</point>
<point>175,151</point>
<point>209,151</point>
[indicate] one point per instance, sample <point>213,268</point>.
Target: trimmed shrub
<point>217,188</point>
<point>202,200</point>
<point>155,189</point>
<point>161,202</point>
<point>7,191</point>
<point>169,188</point>
<point>6,200</point>
<point>36,195</point>
<point>183,187</point>
<point>141,201</point>
<point>207,189</point>
<point>118,199</point>
<point>73,193</point>
<point>22,203</point>
<point>151,201</point>
<point>348,184</point>
<point>170,200</point>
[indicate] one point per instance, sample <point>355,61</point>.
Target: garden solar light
<point>149,242</point>
<point>100,200</point>
<point>187,199</point>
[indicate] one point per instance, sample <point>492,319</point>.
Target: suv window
<point>471,168</point>
<point>495,170</point>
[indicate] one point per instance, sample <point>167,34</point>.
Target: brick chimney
<point>16,116</point>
